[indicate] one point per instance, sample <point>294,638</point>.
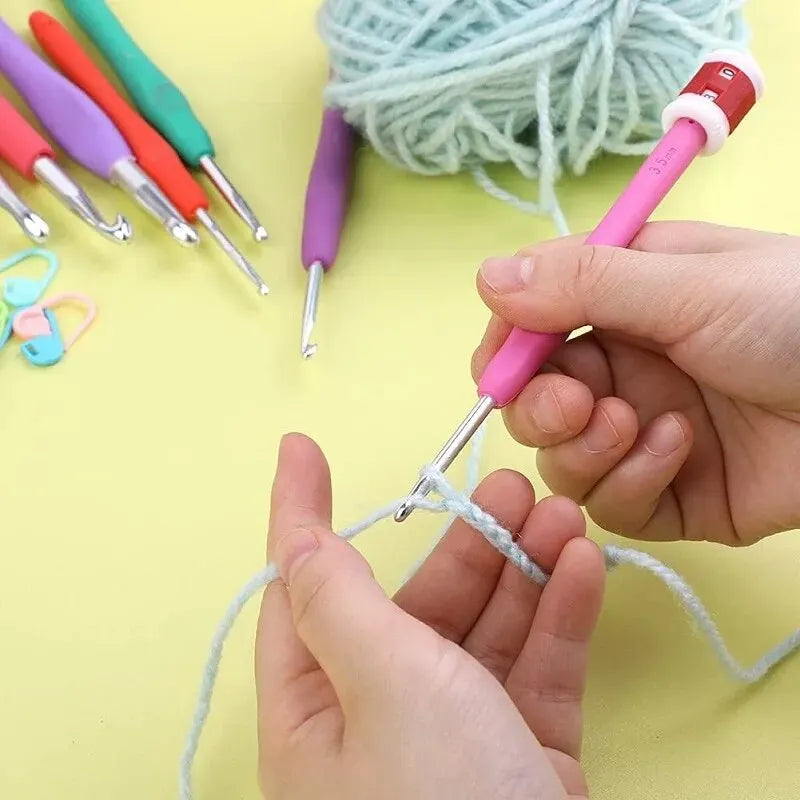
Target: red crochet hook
<point>153,153</point>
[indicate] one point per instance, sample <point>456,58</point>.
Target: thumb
<point>659,296</point>
<point>340,612</point>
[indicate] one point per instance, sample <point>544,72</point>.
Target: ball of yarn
<point>441,86</point>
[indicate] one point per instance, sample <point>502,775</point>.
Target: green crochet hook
<point>158,99</point>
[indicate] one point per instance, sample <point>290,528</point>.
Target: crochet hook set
<point>148,146</point>
<point>143,152</point>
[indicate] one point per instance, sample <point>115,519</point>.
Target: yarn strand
<point>459,505</point>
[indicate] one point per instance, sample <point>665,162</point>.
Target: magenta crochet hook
<point>86,133</point>
<point>698,121</point>
<point>327,199</point>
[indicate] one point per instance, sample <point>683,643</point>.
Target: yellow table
<point>135,475</point>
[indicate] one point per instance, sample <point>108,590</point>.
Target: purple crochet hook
<point>89,137</point>
<point>326,208</point>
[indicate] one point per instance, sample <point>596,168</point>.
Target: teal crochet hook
<point>159,100</point>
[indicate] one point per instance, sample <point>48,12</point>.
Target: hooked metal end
<point>183,233</point>
<point>121,231</point>
<point>448,454</point>
<point>129,176</point>
<point>233,197</point>
<point>36,228</point>
<point>75,198</point>
<point>404,511</point>
<point>315,273</point>
<point>231,251</point>
<point>30,222</point>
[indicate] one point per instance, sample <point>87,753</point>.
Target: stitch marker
<point>22,291</point>
<point>698,121</point>
<point>43,344</point>
<point>47,349</point>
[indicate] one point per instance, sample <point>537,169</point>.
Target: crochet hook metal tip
<point>127,174</point>
<point>448,454</point>
<point>230,250</point>
<point>77,201</point>
<point>315,273</point>
<point>36,228</point>
<point>183,233</point>
<point>234,198</point>
<point>120,231</point>
<point>30,222</point>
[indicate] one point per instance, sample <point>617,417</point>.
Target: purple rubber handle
<point>328,191</point>
<point>74,120</point>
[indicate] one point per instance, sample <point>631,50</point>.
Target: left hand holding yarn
<point>467,684</point>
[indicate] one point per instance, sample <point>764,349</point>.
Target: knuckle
<point>611,517</point>
<point>310,587</point>
<point>560,476</point>
<point>593,278</point>
<point>520,426</point>
<point>496,656</point>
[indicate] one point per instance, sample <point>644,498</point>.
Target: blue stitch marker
<point>22,291</point>
<point>47,350</point>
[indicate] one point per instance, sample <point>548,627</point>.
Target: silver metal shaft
<point>31,223</point>
<point>315,273</point>
<point>230,250</point>
<point>77,201</point>
<point>447,455</point>
<point>235,200</point>
<point>128,175</point>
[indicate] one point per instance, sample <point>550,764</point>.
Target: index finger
<point>673,237</point>
<point>547,681</point>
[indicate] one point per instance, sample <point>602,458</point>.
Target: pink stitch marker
<point>34,322</point>
<point>698,121</point>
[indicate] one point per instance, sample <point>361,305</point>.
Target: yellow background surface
<point>134,476</point>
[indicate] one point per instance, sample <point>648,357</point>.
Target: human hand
<point>468,684</point>
<point>678,415</point>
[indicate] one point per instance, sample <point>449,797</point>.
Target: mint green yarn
<point>444,86</point>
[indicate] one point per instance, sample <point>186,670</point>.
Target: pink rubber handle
<point>20,144</point>
<point>328,191</point>
<point>524,352</point>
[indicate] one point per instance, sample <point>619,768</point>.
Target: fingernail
<point>292,551</point>
<point>665,436</point>
<point>505,275</point>
<point>600,435</point>
<point>547,413</point>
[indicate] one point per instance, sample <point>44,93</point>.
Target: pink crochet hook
<point>325,211</point>
<point>698,121</point>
